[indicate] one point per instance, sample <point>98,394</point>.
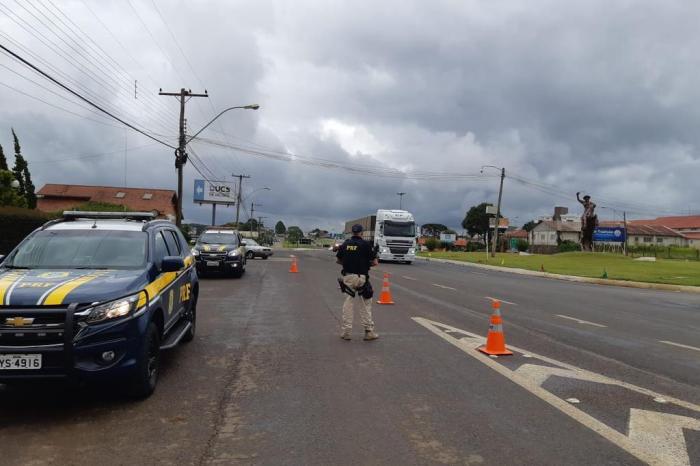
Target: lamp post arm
<point>247,107</point>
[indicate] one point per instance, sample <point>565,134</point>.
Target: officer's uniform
<point>356,255</point>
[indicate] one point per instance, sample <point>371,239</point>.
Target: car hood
<point>215,247</point>
<point>50,287</point>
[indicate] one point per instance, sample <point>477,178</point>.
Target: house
<point>547,235</point>
<point>60,197</point>
<point>682,224</point>
<point>693,239</point>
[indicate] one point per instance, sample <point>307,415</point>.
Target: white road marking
<point>573,400</point>
<point>654,438</point>
<point>498,299</point>
<point>445,287</point>
<point>679,345</point>
<point>409,278</point>
<point>585,322</point>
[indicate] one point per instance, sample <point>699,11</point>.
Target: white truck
<point>393,233</point>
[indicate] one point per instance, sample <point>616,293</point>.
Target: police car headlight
<point>234,253</point>
<point>195,252</point>
<point>118,308</point>
<point>412,251</point>
<point>385,250</point>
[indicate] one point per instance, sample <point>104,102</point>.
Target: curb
<point>571,278</point>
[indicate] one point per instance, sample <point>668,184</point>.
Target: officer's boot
<point>370,335</point>
<point>346,335</point>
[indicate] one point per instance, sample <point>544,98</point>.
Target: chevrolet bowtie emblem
<point>19,321</point>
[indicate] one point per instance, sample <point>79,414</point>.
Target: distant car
<point>220,250</point>
<point>96,295</point>
<point>253,249</point>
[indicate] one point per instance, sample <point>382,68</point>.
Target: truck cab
<point>395,236</point>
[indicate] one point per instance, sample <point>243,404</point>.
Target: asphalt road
<point>598,377</point>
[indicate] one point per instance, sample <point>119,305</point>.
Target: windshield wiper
<point>90,268</point>
<point>15,267</point>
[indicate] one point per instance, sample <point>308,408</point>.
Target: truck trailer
<point>392,232</point>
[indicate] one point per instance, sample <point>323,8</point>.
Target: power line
<point>58,83</point>
<point>92,156</point>
<point>70,57</point>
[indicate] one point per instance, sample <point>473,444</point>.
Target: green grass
<point>618,267</point>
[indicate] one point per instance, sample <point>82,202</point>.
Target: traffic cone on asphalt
<point>385,295</point>
<point>294,268</point>
<point>496,340</point>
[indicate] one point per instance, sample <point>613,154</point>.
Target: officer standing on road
<point>357,256</point>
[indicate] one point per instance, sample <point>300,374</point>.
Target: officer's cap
<point>357,228</point>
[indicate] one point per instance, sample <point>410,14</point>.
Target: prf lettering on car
<point>110,291</point>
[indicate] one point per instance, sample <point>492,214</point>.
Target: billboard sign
<point>214,192</point>
<point>448,237</point>
<point>609,235</point>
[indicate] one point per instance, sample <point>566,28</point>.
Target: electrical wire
<point>60,84</point>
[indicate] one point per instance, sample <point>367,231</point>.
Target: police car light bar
<point>73,214</point>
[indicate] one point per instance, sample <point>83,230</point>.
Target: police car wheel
<point>145,377</point>
<point>250,255</point>
<point>266,257</point>
<point>192,318</point>
<point>237,273</point>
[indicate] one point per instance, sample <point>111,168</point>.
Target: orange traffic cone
<point>496,341</point>
<point>294,268</point>
<point>385,295</point>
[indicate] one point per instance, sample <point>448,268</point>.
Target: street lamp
<point>401,195</point>
<point>244,107</point>
<point>498,207</point>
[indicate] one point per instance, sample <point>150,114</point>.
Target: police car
<point>220,250</point>
<point>96,296</point>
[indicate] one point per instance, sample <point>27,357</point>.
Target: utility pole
<point>259,223</point>
<point>400,200</point>
<point>624,220</point>
<point>181,151</point>
<point>498,215</point>
<point>252,209</point>
<point>238,199</point>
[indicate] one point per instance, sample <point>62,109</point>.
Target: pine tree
<point>3,161</point>
<point>22,175</point>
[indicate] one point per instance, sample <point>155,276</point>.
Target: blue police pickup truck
<point>96,296</point>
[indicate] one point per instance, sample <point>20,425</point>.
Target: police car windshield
<point>81,249</point>
<point>218,238</point>
<point>399,228</point>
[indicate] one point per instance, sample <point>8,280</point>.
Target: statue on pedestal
<point>589,221</point>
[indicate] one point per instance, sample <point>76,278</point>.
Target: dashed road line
<point>444,287</point>
<point>580,321</point>
<point>501,300</point>
<point>409,278</point>
<point>680,345</point>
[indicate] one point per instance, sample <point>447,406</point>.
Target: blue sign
<point>609,235</point>
<point>198,190</point>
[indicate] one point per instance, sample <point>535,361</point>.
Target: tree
<point>22,175</point>
<point>9,195</point>
<point>433,229</point>
<point>3,161</point>
<point>476,221</point>
<point>294,234</point>
<point>280,229</point>
<point>529,226</point>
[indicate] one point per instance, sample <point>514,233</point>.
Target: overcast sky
<point>593,96</point>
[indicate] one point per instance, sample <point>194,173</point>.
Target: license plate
<point>212,263</point>
<point>20,361</point>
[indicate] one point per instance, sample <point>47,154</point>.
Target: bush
<point>447,246</point>
<point>522,245</point>
<point>568,246</point>
<point>473,246</point>
<point>16,223</point>
<point>431,244</point>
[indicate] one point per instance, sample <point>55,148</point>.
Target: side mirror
<point>172,264</point>
<point>243,243</point>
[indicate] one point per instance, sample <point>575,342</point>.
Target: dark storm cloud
<point>593,96</point>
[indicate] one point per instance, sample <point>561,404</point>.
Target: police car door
<point>170,295</point>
